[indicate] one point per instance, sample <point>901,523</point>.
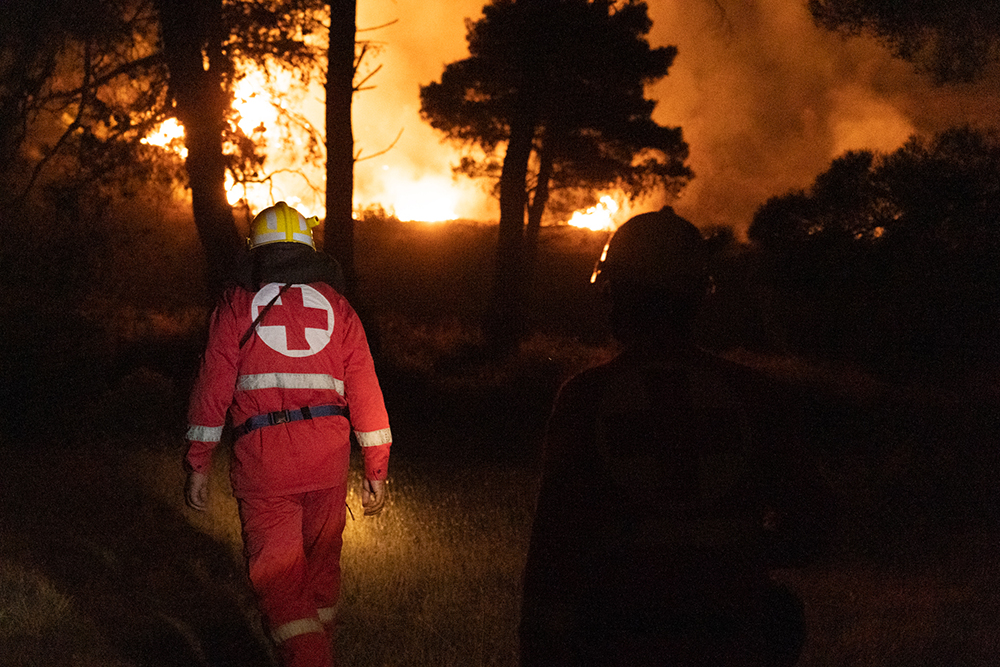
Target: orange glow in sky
<point>765,99</point>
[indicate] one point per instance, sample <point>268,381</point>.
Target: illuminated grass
<point>433,580</point>
<point>436,580</point>
<point>29,604</point>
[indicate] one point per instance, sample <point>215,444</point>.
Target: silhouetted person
<point>670,488</point>
<point>288,361</point>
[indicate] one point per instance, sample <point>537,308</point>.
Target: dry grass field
<point>102,565</point>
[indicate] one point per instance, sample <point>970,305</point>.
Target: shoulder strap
<point>260,316</point>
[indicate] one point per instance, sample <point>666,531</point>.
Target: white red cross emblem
<point>299,323</point>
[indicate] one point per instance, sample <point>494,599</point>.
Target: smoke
<point>766,100</point>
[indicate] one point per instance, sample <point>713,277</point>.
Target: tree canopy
<point>580,69</point>
<point>561,83</point>
<point>82,83</point>
<point>954,40</point>
<point>896,256</point>
<point>78,81</point>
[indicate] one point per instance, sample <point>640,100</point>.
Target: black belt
<point>285,416</point>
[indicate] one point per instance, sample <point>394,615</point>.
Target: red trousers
<point>292,546</point>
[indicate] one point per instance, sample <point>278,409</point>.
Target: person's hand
<point>196,491</point>
<point>372,496</point>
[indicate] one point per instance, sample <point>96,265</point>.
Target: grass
<point>31,604</point>
<point>921,615</point>
<point>434,580</point>
<point>38,623</point>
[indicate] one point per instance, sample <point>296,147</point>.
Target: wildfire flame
<point>258,115</point>
<point>168,135</point>
<point>598,218</point>
<point>254,108</point>
<point>428,199</point>
<point>259,104</point>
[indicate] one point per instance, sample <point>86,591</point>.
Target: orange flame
<point>257,114</point>
<point>427,199</point>
<point>259,103</point>
<point>168,135</point>
<point>598,218</point>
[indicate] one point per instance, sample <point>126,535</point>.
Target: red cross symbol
<point>296,317</point>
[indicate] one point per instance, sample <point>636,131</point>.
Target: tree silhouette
<point>561,83</point>
<point>61,64</point>
<point>954,40</point>
<point>202,43</point>
<point>200,77</point>
<point>83,82</point>
<point>340,71</point>
<point>894,259</point>
<point>80,84</point>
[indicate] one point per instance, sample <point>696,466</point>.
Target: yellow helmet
<point>282,224</point>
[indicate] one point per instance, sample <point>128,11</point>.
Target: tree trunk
<point>192,38</point>
<point>339,233</point>
<point>535,212</point>
<point>505,316</point>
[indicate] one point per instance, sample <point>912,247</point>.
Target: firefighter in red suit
<point>288,361</point>
<point>670,490</point>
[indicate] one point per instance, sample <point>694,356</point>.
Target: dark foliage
<point>580,67</point>
<point>83,83</point>
<point>953,40</point>
<point>893,260</point>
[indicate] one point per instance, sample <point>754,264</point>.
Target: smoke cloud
<point>765,99</point>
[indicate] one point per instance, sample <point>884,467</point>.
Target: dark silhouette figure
<point>671,487</point>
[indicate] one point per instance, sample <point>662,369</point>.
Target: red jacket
<point>308,350</point>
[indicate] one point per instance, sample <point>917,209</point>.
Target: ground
<point>101,563</point>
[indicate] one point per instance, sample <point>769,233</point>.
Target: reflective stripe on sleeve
<point>289,381</point>
<point>374,438</point>
<point>204,433</point>
<point>302,626</point>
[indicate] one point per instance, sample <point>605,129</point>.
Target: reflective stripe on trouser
<point>302,626</point>
<point>327,615</point>
<point>292,545</point>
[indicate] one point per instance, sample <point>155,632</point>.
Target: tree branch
<point>358,158</point>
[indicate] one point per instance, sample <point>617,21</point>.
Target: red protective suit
<point>308,350</point>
